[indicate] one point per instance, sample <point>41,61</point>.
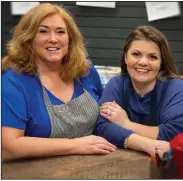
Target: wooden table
<point>121,164</point>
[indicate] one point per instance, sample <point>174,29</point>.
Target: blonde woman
<point>50,91</point>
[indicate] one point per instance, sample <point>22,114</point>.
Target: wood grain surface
<point>121,164</point>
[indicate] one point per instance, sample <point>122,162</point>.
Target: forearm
<point>114,113</point>
<point>114,133</point>
<point>24,147</point>
<point>143,130</point>
<point>140,143</point>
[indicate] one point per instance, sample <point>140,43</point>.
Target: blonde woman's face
<point>51,41</point>
<point>143,61</point>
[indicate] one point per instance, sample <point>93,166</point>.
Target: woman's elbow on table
<point>9,146</point>
<point>7,156</point>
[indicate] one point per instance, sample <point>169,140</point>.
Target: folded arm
<point>15,145</point>
<point>117,135</point>
<point>119,116</point>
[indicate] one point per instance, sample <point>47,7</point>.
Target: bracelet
<point>125,143</point>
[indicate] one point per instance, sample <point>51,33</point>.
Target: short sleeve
<point>14,105</point>
<point>172,113</point>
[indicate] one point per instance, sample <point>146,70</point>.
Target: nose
<point>53,38</point>
<point>143,61</point>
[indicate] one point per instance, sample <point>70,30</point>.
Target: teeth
<point>52,49</point>
<point>142,70</point>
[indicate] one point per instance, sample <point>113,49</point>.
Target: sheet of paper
<point>161,10</point>
<point>98,4</point>
<point>20,8</point>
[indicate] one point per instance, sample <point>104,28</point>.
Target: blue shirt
<point>169,110</point>
<point>23,105</point>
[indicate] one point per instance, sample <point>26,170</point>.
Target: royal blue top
<point>23,104</point>
<point>169,110</point>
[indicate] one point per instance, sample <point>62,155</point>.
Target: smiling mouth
<point>142,70</point>
<point>53,49</point>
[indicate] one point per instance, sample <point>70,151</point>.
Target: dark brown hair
<point>168,68</point>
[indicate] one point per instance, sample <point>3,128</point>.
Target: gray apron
<point>74,119</point>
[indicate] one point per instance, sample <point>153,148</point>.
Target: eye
<point>43,31</point>
<point>136,54</point>
<point>153,57</point>
<point>61,31</point>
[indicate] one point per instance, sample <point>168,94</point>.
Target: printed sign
<point>160,10</point>
<point>98,4</point>
<point>20,8</point>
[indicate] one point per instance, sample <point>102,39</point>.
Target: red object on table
<point>176,145</point>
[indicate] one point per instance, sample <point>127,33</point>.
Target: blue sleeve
<point>172,113</point>
<point>14,105</point>
<point>111,131</point>
<point>96,79</point>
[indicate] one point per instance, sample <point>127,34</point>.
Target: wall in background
<point>105,29</point>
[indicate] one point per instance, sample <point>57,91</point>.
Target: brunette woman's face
<point>51,41</point>
<point>143,61</point>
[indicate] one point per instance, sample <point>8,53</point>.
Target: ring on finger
<point>109,113</point>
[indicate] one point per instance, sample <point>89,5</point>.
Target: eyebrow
<point>153,53</point>
<point>60,28</point>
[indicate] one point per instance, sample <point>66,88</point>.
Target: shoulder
<point>176,84</point>
<point>15,76</point>
<point>170,87</point>
<point>18,80</point>
<point>92,76</point>
<point>114,89</point>
<point>92,69</point>
<point>174,87</point>
<point>9,74</point>
<point>92,72</point>
<point>172,91</point>
<point>91,81</point>
<point>118,82</point>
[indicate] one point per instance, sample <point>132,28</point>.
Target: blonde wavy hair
<point>143,32</point>
<point>20,57</point>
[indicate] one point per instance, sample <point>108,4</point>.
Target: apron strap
<point>45,95</point>
<point>78,80</point>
